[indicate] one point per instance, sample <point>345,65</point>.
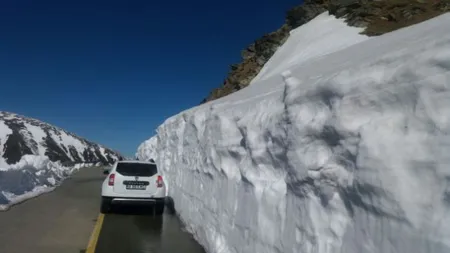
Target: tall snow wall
<point>349,152</point>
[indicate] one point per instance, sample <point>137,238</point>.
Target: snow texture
<point>4,132</point>
<point>147,149</point>
<point>39,135</point>
<point>348,152</point>
<point>309,43</point>
<point>30,177</point>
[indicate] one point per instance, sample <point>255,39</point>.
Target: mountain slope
<point>21,136</point>
<point>376,17</point>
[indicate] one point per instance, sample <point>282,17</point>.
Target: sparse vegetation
<point>378,17</point>
<point>393,15</point>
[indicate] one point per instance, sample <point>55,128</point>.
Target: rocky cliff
<point>376,16</point>
<point>21,136</point>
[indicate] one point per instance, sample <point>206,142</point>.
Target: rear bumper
<point>137,201</point>
<point>108,191</point>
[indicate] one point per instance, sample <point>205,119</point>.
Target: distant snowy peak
<point>21,136</point>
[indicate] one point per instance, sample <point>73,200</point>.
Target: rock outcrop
<point>377,16</point>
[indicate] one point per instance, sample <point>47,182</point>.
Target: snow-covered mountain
<point>373,17</point>
<point>36,157</point>
<point>346,151</point>
<point>21,136</point>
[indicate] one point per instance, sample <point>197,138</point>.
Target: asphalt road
<point>133,230</point>
<point>57,222</point>
<point>63,220</point>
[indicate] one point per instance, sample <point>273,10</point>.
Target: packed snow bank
<point>346,153</point>
<point>30,177</point>
<point>147,149</point>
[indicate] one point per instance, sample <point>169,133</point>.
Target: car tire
<point>105,205</point>
<point>159,209</point>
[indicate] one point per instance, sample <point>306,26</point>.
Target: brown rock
<point>340,12</point>
<point>302,14</point>
<point>248,52</point>
<point>337,5</point>
<point>377,16</point>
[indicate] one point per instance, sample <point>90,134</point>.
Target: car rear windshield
<point>137,169</point>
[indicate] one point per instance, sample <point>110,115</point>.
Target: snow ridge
<point>309,43</point>
<point>345,153</point>
<point>36,157</point>
<point>30,177</point>
<point>21,136</point>
<point>147,149</point>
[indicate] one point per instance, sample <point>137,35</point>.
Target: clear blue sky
<point>112,71</point>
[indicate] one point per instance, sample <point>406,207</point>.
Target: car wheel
<point>159,209</point>
<point>105,205</point>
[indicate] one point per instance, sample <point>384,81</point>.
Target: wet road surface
<point>62,221</point>
<point>56,222</point>
<point>135,230</point>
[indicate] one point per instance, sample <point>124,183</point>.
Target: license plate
<point>135,187</point>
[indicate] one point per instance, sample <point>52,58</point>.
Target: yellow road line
<point>95,233</point>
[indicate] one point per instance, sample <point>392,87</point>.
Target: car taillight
<point>159,182</point>
<point>111,179</point>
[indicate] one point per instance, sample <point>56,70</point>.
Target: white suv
<point>133,182</point>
